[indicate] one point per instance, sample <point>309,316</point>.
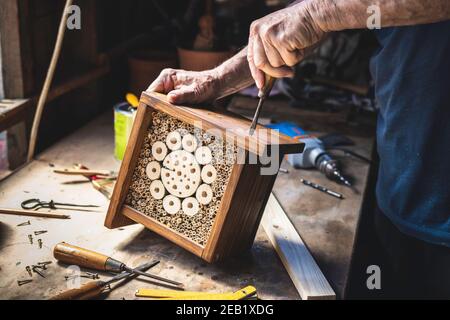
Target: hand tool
<point>321,188</point>
<point>263,94</point>
<point>102,180</point>
<point>84,172</point>
<point>244,293</point>
<point>93,289</point>
<point>36,204</point>
<point>70,254</point>
<point>32,213</point>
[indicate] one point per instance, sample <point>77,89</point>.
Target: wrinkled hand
<point>280,40</point>
<point>187,86</point>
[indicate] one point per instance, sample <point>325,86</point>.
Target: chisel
<point>70,254</point>
<point>93,289</point>
<point>263,94</point>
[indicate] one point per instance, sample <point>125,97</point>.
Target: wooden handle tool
<point>32,213</point>
<point>263,94</point>
<point>70,254</point>
<point>93,289</point>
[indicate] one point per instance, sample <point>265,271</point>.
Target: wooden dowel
<point>31,213</point>
<point>85,172</point>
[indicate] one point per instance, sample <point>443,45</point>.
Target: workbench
<point>326,224</point>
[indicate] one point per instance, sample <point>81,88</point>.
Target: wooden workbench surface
<point>326,224</point>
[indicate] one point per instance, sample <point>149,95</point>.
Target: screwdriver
<point>263,94</point>
<point>93,289</point>
<point>71,254</point>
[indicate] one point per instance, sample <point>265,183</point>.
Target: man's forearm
<point>234,74</point>
<point>336,15</point>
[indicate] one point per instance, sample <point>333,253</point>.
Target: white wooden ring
<point>153,170</point>
<point>204,194</point>
<point>209,174</point>
<point>173,140</point>
<point>171,204</point>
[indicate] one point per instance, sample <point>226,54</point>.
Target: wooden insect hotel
<point>196,177</point>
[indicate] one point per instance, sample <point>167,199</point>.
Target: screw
<point>22,282</point>
<point>37,271</point>
<point>24,224</point>
<point>36,233</point>
<point>40,243</point>
<point>90,275</point>
<point>30,237</point>
<point>28,268</point>
<point>44,264</point>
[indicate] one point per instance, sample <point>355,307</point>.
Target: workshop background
<point>120,49</point>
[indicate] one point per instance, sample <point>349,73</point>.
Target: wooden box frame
<point>246,194</point>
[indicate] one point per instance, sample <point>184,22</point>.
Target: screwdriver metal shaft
<point>263,94</point>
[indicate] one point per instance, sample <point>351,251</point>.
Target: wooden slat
<point>161,229</point>
<point>301,266</point>
<point>234,126</point>
<point>115,217</point>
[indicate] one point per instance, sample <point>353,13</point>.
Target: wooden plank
<point>234,126</point>
<point>301,266</point>
<point>11,49</point>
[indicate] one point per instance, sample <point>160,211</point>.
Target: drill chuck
<point>315,155</point>
<point>330,168</point>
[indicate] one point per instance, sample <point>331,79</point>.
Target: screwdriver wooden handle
<point>87,291</point>
<point>269,81</point>
<point>70,254</point>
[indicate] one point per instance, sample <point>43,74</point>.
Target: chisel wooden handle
<point>70,254</point>
<point>269,81</point>
<point>87,291</point>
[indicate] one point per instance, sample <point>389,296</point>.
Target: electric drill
<point>315,156</point>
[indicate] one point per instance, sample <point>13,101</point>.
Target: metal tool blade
<point>125,274</point>
<point>256,116</point>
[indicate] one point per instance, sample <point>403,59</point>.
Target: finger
<point>257,74</point>
<point>291,57</point>
<point>272,54</point>
<point>262,63</point>
<point>157,85</point>
<point>182,95</point>
<point>163,83</point>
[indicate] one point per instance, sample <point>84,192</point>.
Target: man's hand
<point>279,40</point>
<point>206,86</point>
<point>187,86</point>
